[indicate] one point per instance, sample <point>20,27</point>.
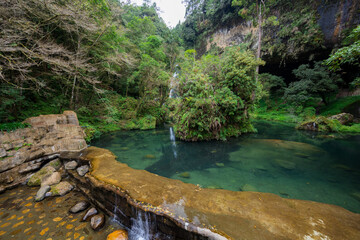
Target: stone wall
<point>25,150</point>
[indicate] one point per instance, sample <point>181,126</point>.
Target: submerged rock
<point>91,212</point>
<point>220,164</point>
<point>97,221</point>
<point>54,178</point>
<point>118,235</point>
<point>42,174</point>
<point>356,195</point>
<point>184,175</point>
<point>71,165</point>
<point>285,164</point>
<point>149,156</point>
<point>40,195</point>
<point>248,188</point>
<point>79,207</point>
<point>214,187</point>
<point>82,170</point>
<point>61,189</point>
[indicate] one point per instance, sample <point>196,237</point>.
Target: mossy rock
<point>55,164</point>
<point>61,189</point>
<point>38,177</point>
<point>319,124</point>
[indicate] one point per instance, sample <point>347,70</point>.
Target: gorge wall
<point>306,31</point>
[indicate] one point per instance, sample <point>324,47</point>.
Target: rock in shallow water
<point>38,177</point>
<point>97,221</point>
<point>61,189</point>
<point>91,212</point>
<point>79,207</point>
<point>118,235</point>
<point>286,164</point>
<point>82,170</point>
<point>54,178</point>
<point>71,165</point>
<point>184,175</point>
<point>40,195</point>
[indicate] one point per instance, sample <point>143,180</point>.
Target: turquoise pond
<point>278,159</point>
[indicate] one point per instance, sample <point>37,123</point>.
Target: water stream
<point>278,159</point>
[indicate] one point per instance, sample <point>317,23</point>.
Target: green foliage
<point>216,96</point>
<point>326,125</point>
<point>346,55</point>
<point>8,127</point>
<point>338,105</point>
<point>272,84</point>
<point>316,82</point>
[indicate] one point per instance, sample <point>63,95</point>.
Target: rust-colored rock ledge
<point>220,214</point>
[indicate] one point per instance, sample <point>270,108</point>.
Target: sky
<point>172,11</point>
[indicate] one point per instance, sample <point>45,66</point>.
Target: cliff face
<point>304,29</point>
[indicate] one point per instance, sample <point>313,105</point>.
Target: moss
<point>338,105</point>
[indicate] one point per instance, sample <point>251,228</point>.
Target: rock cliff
<point>26,150</point>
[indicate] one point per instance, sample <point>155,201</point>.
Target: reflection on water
<point>277,159</point>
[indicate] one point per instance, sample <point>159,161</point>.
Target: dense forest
<point>116,64</point>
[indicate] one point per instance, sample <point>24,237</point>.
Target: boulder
<point>118,235</point>
<point>55,178</point>
<point>79,207</point>
<point>91,212</point>
<point>343,118</point>
<point>318,124</point>
<point>40,195</point>
<point>71,165</point>
<point>97,221</point>
<point>288,165</point>
<point>37,178</point>
<point>82,170</point>
<point>55,164</point>
<point>60,189</point>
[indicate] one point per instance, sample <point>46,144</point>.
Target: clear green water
<point>277,159</point>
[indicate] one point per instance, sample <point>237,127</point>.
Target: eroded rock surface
<point>26,150</point>
<point>216,213</point>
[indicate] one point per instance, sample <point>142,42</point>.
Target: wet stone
<point>97,221</point>
<point>82,170</point>
<point>61,189</point>
<point>71,165</point>
<point>55,178</point>
<point>79,207</point>
<point>91,212</point>
<point>40,195</point>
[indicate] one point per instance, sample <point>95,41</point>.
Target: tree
<point>313,82</point>
<point>216,95</point>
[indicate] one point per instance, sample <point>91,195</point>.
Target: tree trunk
<point>258,53</point>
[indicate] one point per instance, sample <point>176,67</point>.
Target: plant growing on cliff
<point>349,54</point>
<point>216,96</point>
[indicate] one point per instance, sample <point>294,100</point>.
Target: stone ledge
<point>209,213</point>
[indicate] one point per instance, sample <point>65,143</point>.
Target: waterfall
<point>141,228</point>
<point>172,139</point>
